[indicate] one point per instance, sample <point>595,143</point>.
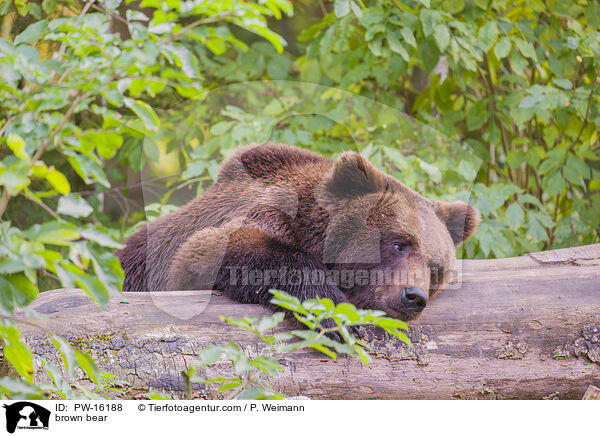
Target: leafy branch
<point>321,316</point>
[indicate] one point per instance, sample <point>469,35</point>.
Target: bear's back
<point>254,179</point>
<point>267,163</point>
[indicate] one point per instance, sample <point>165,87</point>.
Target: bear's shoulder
<point>265,161</point>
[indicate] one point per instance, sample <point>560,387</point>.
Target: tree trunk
<point>525,327</point>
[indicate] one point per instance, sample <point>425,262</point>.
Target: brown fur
<point>275,206</point>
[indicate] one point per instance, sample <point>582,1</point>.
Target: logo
<point>26,415</point>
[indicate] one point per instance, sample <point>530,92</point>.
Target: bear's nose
<point>414,298</point>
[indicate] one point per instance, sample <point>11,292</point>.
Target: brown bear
<point>280,217</point>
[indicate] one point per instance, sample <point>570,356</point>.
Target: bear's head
<point>392,247</point>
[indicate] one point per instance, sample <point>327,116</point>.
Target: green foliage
<point>250,374</point>
<point>62,384</point>
<point>516,82</point>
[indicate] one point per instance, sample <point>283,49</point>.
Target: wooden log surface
<point>517,328</point>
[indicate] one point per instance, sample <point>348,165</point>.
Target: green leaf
<point>17,145</point>
<point>536,230</point>
<point>209,355</point>
<point>341,8</point>
<point>535,155</point>
<point>429,54</point>
<point>376,46</point>
<point>151,150</point>
<point>106,143</point>
<point>521,115</point>
<point>49,5</point>
<point>408,36</point>
<point>69,273</point>
<point>488,35</point>
<point>16,290</point>
<point>486,241</point>
<point>74,205</point>
<point>17,353</point>
<point>87,364</point>
<point>396,46</point>
<point>552,161</point>
<point>323,349</point>
<point>7,298</point>
<point>106,267</point>
<point>58,181</point>
<point>221,128</point>
<point>194,169</point>
<point>554,184</point>
<point>5,7</point>
<point>429,20</point>
<point>32,33</point>
<point>349,310</point>
<point>518,63</point>
<point>528,198</point>
<point>17,388</point>
<point>592,14</point>
<point>158,396</point>
<point>216,45</point>
<point>526,49</point>
<point>96,234</point>
<point>580,166</point>
<point>14,180</point>
<point>184,59</point>
<point>502,48</point>
<point>269,322</point>
<point>431,170</point>
<point>53,232</point>
<point>67,353</point>
<point>373,16</point>
<point>572,176</point>
<point>55,374</point>
<point>144,112</point>
<point>562,83</point>
<point>515,158</point>
<point>441,34</point>
<point>515,216</point>
<point>286,301</point>
<point>453,6</point>
<point>477,114</point>
<point>268,365</point>
<point>228,386</point>
<point>24,290</point>
<point>86,168</point>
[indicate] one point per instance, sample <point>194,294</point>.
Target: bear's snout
<point>405,303</point>
<point>413,299</point>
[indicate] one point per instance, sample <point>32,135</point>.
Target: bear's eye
<point>400,247</point>
<point>436,272</point>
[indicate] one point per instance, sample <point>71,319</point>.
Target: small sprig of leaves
<point>62,379</point>
<point>320,315</point>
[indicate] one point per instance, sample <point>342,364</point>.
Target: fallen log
<point>517,328</point>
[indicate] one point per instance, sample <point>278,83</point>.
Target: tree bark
<point>518,328</point>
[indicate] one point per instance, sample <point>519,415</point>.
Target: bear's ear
<point>460,218</point>
<point>353,175</point>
